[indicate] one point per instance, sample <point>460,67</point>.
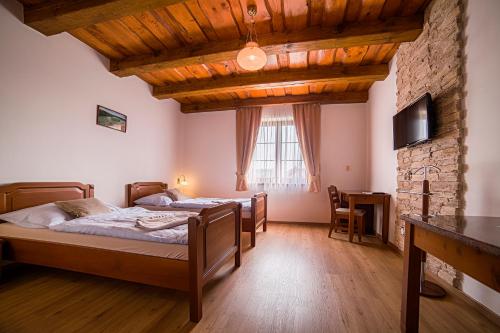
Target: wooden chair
<point>343,213</point>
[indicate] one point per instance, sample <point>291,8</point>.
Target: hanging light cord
<point>252,32</point>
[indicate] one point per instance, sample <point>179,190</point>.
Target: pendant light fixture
<point>251,57</point>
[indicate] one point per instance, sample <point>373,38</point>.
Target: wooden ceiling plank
<point>312,58</point>
<point>98,43</point>
<point>220,16</point>
<point>391,8</point>
<point>298,60</point>
<point>155,26</point>
<point>316,12</point>
<point>202,19</point>
<point>354,55</point>
<point>276,12</point>
<point>383,51</point>
<point>325,57</point>
<point>56,16</point>
<point>272,63</point>
<point>391,31</point>
<point>300,90</point>
<point>258,93</point>
<point>278,92</point>
<point>179,17</point>
<point>283,60</point>
<point>237,11</point>
<point>334,11</point>
<point>148,38</point>
<point>296,13</point>
<point>276,79</point>
<point>391,53</point>
<point>353,10</point>
<point>120,36</point>
<point>371,10</point>
<point>111,40</point>
<point>338,98</point>
<point>410,7</point>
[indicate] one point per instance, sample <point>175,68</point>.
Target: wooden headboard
<point>23,195</point>
<point>143,189</point>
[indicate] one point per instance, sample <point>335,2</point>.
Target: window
<point>277,160</point>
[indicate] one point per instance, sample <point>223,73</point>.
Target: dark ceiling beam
<point>334,98</point>
<point>276,79</point>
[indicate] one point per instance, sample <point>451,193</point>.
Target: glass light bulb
<point>251,57</point>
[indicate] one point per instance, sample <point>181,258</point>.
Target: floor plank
<point>295,280</point>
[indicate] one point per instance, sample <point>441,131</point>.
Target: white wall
<point>482,196</point>
<point>209,161</point>
<point>382,159</point>
<point>49,90</point>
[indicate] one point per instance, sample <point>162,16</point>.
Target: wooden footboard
<point>258,216</point>
<point>214,237</point>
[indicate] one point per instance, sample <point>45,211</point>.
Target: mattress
<point>170,251</point>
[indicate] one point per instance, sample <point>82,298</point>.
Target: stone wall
<point>433,63</point>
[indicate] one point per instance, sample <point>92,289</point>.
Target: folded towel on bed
<point>159,222</point>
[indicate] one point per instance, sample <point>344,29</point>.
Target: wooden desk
<point>358,197</point>
<point>470,244</point>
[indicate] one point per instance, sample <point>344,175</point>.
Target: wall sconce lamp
<point>182,181</point>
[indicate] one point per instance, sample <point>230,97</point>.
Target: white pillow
<point>158,199</point>
<point>37,216</point>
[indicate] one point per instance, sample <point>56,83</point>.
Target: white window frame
<point>278,153</point>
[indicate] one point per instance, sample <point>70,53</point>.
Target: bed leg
<point>195,307</point>
<point>237,255</point>
<point>1,257</point>
<point>252,237</point>
<point>195,234</point>
<point>264,227</point>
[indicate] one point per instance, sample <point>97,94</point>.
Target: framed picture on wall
<point>111,119</point>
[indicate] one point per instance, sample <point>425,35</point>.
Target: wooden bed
<point>213,238</point>
<point>258,213</point>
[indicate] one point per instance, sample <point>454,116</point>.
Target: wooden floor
<point>295,280</point>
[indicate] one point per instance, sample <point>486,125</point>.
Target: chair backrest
<point>334,199</point>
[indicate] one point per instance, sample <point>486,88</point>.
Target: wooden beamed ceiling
<point>318,50</point>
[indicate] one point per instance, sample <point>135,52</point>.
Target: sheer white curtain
<point>277,162</point>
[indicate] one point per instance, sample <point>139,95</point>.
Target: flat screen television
<point>414,124</point>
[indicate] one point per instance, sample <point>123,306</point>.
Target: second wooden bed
<point>250,223</point>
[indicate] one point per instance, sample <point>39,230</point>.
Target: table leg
<point>352,204</point>
<point>385,218</point>
<point>410,301</point>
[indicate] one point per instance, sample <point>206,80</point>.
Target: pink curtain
<point>307,118</point>
<point>247,128</point>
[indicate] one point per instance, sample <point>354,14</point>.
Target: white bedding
<point>121,224</point>
<point>199,203</point>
